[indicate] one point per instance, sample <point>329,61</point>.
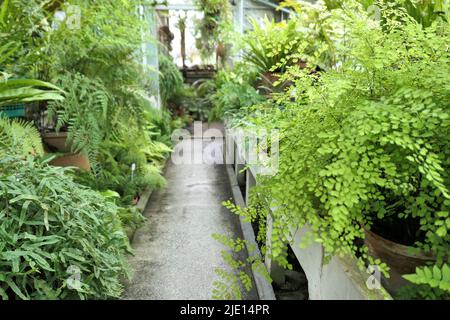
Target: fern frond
<point>435,277</point>
<point>19,137</point>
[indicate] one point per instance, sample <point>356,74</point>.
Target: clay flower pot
<point>58,141</point>
<point>78,160</point>
<point>398,257</point>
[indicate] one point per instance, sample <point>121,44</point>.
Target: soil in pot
<point>302,64</point>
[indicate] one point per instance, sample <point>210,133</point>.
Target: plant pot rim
<point>398,248</point>
<point>272,73</point>
<point>54,135</point>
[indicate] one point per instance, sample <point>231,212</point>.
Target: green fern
<point>20,138</point>
<point>232,283</point>
<point>435,277</point>
<point>84,114</point>
<point>171,79</point>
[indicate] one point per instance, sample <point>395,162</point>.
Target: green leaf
<point>16,289</point>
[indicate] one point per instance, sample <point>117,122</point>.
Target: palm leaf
<point>28,90</point>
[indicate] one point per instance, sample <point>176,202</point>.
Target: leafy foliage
<point>20,138</point>
<point>117,157</point>
<point>192,101</point>
<point>233,92</point>
<point>27,90</point>
<point>22,90</point>
<point>216,17</point>
<point>307,37</point>
<point>50,225</point>
<point>272,44</point>
<point>107,86</point>
<point>83,114</point>
<point>434,277</point>
<point>171,79</point>
<point>235,280</point>
<point>424,12</point>
<point>107,112</point>
<point>365,142</point>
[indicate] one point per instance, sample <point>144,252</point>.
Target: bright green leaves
<point>228,287</point>
<point>49,224</point>
<point>368,140</point>
<point>211,28</point>
<point>435,277</point>
<point>27,90</point>
<point>308,37</point>
<point>20,138</point>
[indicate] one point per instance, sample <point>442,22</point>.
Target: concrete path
<point>175,255</point>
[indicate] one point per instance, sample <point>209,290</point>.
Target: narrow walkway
<point>175,254</point>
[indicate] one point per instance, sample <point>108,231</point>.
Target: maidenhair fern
<point>365,141</point>
<point>235,280</point>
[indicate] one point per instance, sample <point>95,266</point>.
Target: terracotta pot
<point>56,141</point>
<point>79,160</point>
<point>270,78</point>
<point>302,64</point>
<point>398,257</point>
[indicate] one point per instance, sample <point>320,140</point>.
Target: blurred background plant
<point>107,109</point>
<point>216,18</point>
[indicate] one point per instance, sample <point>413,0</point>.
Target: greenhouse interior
<point>224,150</point>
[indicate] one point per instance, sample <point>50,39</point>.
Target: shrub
<point>50,227</point>
<point>234,91</point>
<point>366,142</point>
<point>171,79</point>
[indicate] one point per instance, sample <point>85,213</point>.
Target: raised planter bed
<point>265,290</point>
<point>141,205</point>
<point>340,279</point>
<point>191,75</point>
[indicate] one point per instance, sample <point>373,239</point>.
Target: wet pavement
<point>175,254</point>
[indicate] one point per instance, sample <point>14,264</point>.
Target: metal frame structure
<point>239,10</point>
<point>150,51</point>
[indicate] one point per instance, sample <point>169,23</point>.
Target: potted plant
<point>401,259</point>
<point>76,126</point>
<point>364,152</point>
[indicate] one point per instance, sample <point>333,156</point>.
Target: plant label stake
<point>133,168</point>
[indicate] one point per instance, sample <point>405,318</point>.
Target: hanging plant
<point>216,13</point>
